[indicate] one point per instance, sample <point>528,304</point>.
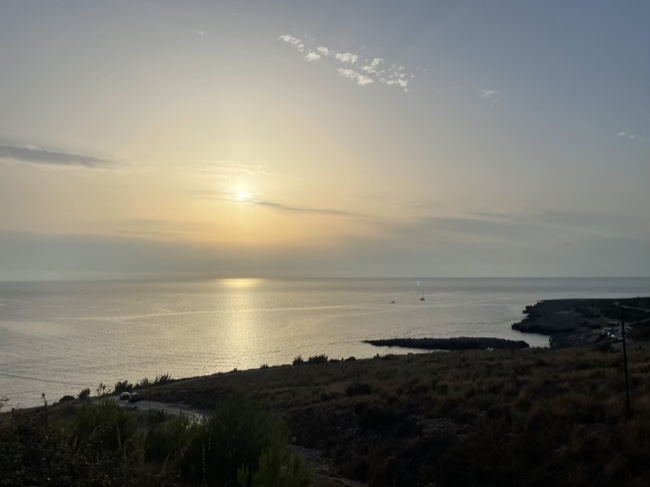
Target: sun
<point>243,196</point>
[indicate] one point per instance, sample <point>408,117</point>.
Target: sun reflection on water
<point>240,282</point>
<point>241,335</point>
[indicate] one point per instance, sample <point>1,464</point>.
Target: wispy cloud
<point>300,209</point>
<point>361,79</point>
<point>626,135</point>
<point>369,71</point>
<point>490,96</point>
<point>293,41</point>
<point>312,56</point>
<point>51,157</point>
<point>151,228</point>
<point>253,199</point>
<point>346,57</point>
<point>373,65</point>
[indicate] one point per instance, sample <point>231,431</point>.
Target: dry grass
<point>531,417</point>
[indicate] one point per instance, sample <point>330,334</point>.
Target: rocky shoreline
<point>459,343</point>
<point>574,322</point>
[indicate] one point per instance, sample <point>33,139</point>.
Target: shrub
<point>34,452</point>
<point>278,467</point>
<point>229,445</point>
<point>318,359</point>
<point>123,386</point>
<point>66,398</point>
<point>162,379</point>
<point>84,394</point>
<point>358,389</point>
<point>167,443</point>
<point>298,360</point>
<point>107,424</point>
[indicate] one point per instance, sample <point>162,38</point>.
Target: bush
<point>34,452</point>
<point>66,398</point>
<point>278,467</point>
<point>159,380</point>
<point>358,389</point>
<point>105,423</point>
<point>318,359</point>
<point>298,360</point>
<point>123,386</point>
<point>167,443</point>
<point>226,450</point>
<point>162,379</point>
<point>84,394</point>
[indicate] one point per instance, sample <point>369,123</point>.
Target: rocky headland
<point>458,343</point>
<point>572,322</point>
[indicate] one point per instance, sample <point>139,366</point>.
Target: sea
<point>57,338</point>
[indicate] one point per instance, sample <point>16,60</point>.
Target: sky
<point>365,138</point>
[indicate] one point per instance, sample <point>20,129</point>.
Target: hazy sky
<point>332,138</point>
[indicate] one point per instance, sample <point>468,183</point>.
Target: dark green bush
<point>317,359</point>
<point>84,394</point>
<point>33,452</point>
<point>278,467</point>
<point>226,450</point>
<point>106,425</point>
<point>123,386</point>
<point>162,379</point>
<point>166,443</point>
<point>298,360</point>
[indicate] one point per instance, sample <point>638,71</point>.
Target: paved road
<point>175,409</point>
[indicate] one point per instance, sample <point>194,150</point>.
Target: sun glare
<point>243,196</point>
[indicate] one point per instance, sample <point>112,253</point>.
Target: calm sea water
<point>59,337</point>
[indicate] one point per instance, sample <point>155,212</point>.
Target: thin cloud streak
<point>490,96</point>
<point>299,209</point>
<point>252,200</point>
<point>50,157</point>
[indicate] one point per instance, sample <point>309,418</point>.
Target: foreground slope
<point>528,417</point>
